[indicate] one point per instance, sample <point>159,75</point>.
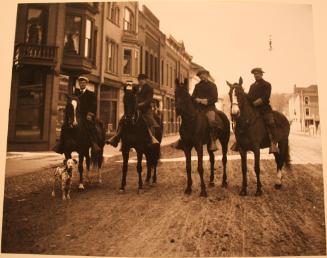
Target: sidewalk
<point>18,163</point>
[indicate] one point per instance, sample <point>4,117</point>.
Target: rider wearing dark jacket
<point>88,107</point>
<point>144,99</point>
<point>205,94</point>
<point>259,95</point>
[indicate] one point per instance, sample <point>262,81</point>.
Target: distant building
<point>304,110</point>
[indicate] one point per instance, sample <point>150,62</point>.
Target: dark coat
<point>145,95</point>
<point>261,89</point>
<point>206,90</point>
<point>88,102</point>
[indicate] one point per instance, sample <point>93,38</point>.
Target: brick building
<point>110,43</point>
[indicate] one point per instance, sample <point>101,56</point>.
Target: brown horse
<point>251,135</point>
<point>194,132</point>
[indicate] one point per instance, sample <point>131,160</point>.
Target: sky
<point>230,38</point>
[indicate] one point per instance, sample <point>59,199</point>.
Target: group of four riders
<point>205,94</point>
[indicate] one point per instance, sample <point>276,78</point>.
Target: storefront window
<point>108,107</point>
<point>30,104</point>
<point>72,35</point>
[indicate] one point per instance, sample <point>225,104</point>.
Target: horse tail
<point>96,158</point>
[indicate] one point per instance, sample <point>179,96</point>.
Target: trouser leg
<point>272,132</point>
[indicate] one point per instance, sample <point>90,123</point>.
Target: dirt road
<point>162,221</point>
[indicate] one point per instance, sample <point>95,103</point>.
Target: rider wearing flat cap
<point>88,107</point>
<point>144,104</point>
<point>259,95</point>
<point>205,94</point>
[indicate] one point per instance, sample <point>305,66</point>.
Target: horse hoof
<point>203,194</point>
<point>81,187</point>
<point>154,183</point>
<point>140,190</point>
<point>278,186</point>
<point>224,184</point>
<point>100,181</point>
<point>258,193</point>
<point>211,184</point>
<point>122,190</point>
<point>243,193</point>
<point>188,191</point>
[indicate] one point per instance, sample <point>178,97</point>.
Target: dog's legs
<point>63,190</point>
<point>69,188</point>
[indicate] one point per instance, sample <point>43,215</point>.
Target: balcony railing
<point>32,54</point>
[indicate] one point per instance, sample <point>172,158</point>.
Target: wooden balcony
<point>73,63</point>
<point>31,54</point>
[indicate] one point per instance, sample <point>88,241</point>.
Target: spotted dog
<point>63,175</point>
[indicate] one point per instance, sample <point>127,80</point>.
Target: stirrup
<point>273,148</point>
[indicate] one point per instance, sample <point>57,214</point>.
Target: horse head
<point>183,101</point>
<point>130,104</point>
<point>236,96</point>
<point>72,111</point>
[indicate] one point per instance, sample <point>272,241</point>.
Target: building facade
<point>110,43</point>
<point>304,110</point>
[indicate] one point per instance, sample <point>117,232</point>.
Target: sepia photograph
<point>163,128</point>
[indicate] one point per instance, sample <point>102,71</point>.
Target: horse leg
<point>257,170</point>
<point>188,189</point>
<point>148,172</point>
<point>243,154</point>
<point>154,177</point>
<point>203,192</point>
<point>139,168</point>
<point>88,162</point>
<point>224,161</point>
<point>212,166</point>
<point>125,167</point>
<point>80,170</point>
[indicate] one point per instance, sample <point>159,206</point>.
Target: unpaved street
<point>162,221</point>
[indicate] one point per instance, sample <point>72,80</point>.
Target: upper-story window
<point>306,100</point>
<point>80,38</point>
<point>112,57</point>
<point>113,12</point>
<point>88,39</point>
<point>128,20</point>
<point>127,65</point>
<point>36,25</point>
<point>73,34</point>
<point>307,111</point>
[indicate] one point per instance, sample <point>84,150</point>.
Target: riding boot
<point>59,147</point>
<point>213,145</point>
<point>272,136</point>
<point>153,140</point>
<point>114,140</point>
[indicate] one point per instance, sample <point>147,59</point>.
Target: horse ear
<point>240,81</point>
<point>177,82</point>
<point>229,84</point>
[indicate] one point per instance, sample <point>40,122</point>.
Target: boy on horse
<point>259,95</point>
<point>205,94</point>
<point>144,98</point>
<point>88,107</point>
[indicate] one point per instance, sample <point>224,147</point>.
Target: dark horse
<point>76,138</point>
<point>135,135</point>
<point>251,135</point>
<point>194,132</point>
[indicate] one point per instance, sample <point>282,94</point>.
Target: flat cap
<point>142,76</point>
<point>257,70</point>
<point>80,78</point>
<point>201,71</point>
